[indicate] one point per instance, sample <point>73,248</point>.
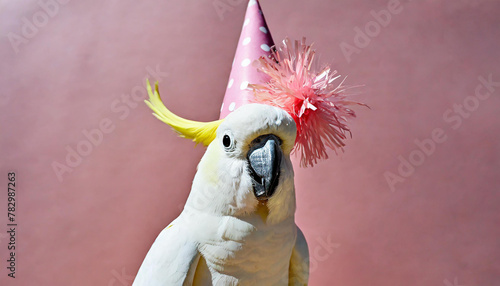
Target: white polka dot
<point>263,30</point>
<point>230,83</point>
<point>265,47</point>
<point>232,106</point>
<point>246,41</point>
<point>244,85</point>
<point>222,107</point>
<point>252,2</point>
<point>245,62</point>
<point>247,21</point>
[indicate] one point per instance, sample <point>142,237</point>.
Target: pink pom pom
<point>318,106</point>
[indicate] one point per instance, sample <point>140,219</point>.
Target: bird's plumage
<point>225,235</point>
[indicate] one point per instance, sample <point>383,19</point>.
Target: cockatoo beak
<point>264,160</point>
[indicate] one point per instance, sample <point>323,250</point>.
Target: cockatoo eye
<point>228,141</point>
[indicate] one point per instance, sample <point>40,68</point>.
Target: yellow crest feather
<point>199,132</point>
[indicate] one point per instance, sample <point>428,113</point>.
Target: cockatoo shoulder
<point>172,259</point>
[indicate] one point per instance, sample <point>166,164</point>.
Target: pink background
<point>440,226</point>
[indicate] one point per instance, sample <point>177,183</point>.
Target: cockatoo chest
<point>249,252</point>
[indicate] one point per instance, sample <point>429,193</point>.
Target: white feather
<point>224,236</point>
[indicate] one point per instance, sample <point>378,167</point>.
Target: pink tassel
<point>318,106</point>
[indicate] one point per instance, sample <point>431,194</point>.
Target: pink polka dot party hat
<point>282,76</point>
<point>255,42</point>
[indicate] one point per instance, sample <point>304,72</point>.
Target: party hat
<point>255,42</point>
<point>281,76</point>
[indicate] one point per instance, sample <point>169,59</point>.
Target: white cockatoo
<point>237,226</point>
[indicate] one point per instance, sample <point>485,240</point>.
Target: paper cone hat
<point>255,42</point>
<point>284,77</point>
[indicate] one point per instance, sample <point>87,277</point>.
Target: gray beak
<point>264,160</point>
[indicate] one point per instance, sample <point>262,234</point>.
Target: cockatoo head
<point>262,137</point>
<point>248,164</point>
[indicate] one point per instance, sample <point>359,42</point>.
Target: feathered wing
<point>299,261</point>
<point>172,259</point>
